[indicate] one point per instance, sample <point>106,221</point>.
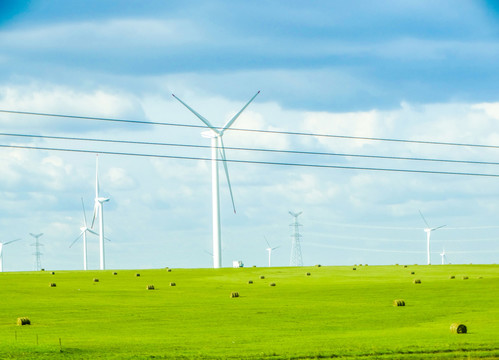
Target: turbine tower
<point>217,155</point>
<point>99,210</point>
<point>1,251</point>
<point>428,231</point>
<point>37,253</point>
<point>444,258</point>
<point>83,234</point>
<point>270,248</point>
<point>296,259</point>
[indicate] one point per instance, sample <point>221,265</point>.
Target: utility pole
<point>296,259</point>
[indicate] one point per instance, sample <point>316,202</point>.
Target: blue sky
<point>407,70</point>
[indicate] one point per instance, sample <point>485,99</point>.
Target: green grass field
<point>336,312</point>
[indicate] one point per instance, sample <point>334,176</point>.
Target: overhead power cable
<point>254,130</point>
<point>295,152</point>
<point>253,161</point>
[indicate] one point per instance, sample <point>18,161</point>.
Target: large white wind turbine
<point>270,248</point>
<point>83,234</point>
<point>1,252</point>
<point>99,209</point>
<point>428,231</point>
<point>217,154</point>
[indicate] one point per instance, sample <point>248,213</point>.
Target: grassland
<point>336,312</point>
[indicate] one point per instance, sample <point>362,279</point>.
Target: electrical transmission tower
<point>296,259</point>
<point>37,253</point>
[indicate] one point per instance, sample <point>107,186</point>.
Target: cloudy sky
<point>415,70</point>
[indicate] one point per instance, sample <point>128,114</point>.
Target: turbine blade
<point>267,241</point>
<point>439,227</point>
<point>96,210</point>
<point>231,121</point>
<point>97,176</point>
<point>276,247</point>
<point>199,116</point>
<point>75,240</point>
<point>422,217</point>
<point>222,155</point>
<point>92,232</point>
<point>108,239</point>
<point>11,241</point>
<point>84,214</point>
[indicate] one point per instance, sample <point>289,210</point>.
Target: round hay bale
<point>23,321</point>
<point>417,281</point>
<point>398,302</point>
<point>262,277</point>
<point>318,265</point>
<point>354,268</point>
<point>405,266</point>
<point>150,287</point>
<point>465,278</point>
<point>169,270</point>
<point>52,273</point>
<point>52,285</point>
<point>250,281</point>
<point>412,273</point>
<point>173,284</point>
<point>115,273</point>
<point>457,328</point>
<point>137,275</point>
<point>308,274</point>
<point>452,277</point>
<point>96,280</point>
<point>272,284</point>
<point>234,294</point>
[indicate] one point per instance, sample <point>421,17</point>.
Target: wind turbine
<point>99,209</point>
<point>217,155</point>
<point>428,231</point>
<point>1,251</point>
<point>442,254</point>
<point>270,248</point>
<point>84,229</point>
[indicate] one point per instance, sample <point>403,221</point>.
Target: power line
<point>294,152</point>
<point>253,161</point>
<point>253,130</point>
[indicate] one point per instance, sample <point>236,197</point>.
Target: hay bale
<point>354,269</point>
<point>23,321</point>
<point>412,272</point>
<point>234,294</point>
<point>52,273</point>
<point>173,284</point>
<point>150,287</point>
<point>318,265</point>
<point>169,270</point>
<point>137,275</point>
<point>452,277</point>
<point>272,284</point>
<point>417,281</point>
<point>262,277</point>
<point>115,273</point>
<point>457,328</point>
<point>308,274</point>
<point>52,285</point>
<point>405,266</point>
<point>96,280</point>
<point>465,278</point>
<point>250,281</point>
<point>398,302</point>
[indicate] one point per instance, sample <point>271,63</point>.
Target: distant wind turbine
<point>83,234</point>
<point>217,154</point>
<point>428,231</point>
<point>99,210</point>
<point>444,257</point>
<point>270,248</point>
<point>1,251</point>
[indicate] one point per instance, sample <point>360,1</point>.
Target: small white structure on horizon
<point>237,264</point>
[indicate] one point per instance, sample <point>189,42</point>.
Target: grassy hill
<point>333,312</point>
